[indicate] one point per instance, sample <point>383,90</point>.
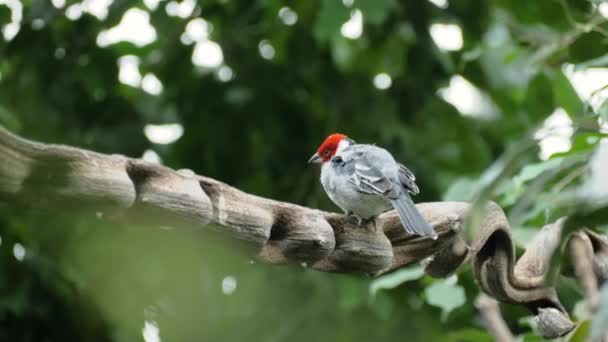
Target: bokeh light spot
<point>382,81</point>
<point>353,28</point>
<point>164,134</point>
<point>448,37</point>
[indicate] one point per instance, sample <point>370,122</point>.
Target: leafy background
<point>499,103</point>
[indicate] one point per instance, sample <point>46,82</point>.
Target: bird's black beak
<point>316,158</point>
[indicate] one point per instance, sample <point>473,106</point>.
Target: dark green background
<point>82,279</point>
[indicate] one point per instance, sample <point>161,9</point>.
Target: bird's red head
<point>328,148</point>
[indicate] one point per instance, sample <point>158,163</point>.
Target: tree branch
<point>43,176</point>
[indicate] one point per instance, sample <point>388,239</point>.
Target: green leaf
<point>469,335</point>
<point>581,332</point>
<point>472,54</point>
<point>330,18</point>
<point>528,322</point>
<point>394,279</point>
<point>530,337</point>
<point>603,111</point>
<point>593,63</point>
<point>513,189</point>
<point>532,171</point>
<point>595,187</point>
<point>538,101</point>
<point>523,236</point>
<point>374,11</point>
<point>582,143</point>
<point>566,96</point>
<point>446,296</point>
<point>493,178</point>
<point>460,190</point>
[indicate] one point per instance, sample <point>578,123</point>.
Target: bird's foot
<point>352,215</point>
<point>366,221</point>
<point>360,220</point>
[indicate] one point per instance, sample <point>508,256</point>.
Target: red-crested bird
<point>365,181</point>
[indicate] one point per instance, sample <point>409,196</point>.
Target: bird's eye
<point>326,152</point>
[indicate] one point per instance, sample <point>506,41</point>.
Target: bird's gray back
<point>376,158</point>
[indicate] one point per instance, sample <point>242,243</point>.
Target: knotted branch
<point>41,176</point>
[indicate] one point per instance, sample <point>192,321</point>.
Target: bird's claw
<point>360,220</point>
<point>364,222</point>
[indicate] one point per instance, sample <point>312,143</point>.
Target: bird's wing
<point>408,180</point>
<point>373,171</point>
<point>367,177</point>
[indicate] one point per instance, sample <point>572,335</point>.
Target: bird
<point>365,180</point>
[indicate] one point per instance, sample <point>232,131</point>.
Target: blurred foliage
<point>69,277</point>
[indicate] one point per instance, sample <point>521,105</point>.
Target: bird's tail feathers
<point>410,217</point>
